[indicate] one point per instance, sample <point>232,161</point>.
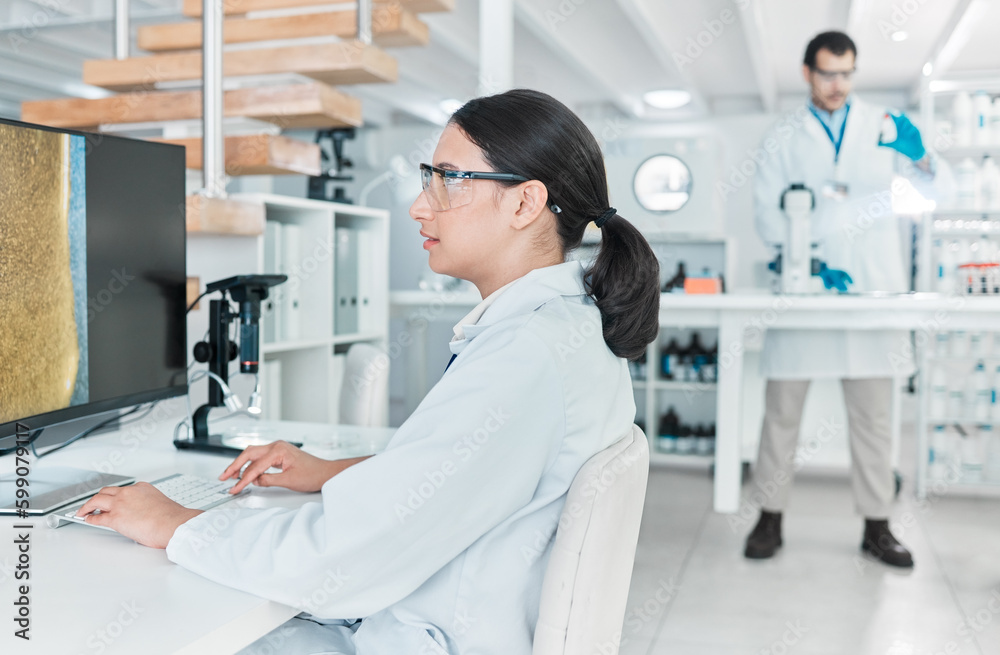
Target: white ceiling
<point>595,55</point>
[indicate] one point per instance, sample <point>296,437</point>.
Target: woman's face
<point>464,242</point>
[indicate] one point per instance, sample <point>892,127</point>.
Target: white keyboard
<point>190,491</point>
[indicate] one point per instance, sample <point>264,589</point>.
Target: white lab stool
<point>587,579</point>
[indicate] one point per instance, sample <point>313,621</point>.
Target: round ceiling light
<point>667,98</point>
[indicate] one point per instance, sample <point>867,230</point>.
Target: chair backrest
<point>364,391</point>
<point>587,580</point>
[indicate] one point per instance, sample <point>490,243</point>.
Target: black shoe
<point>882,545</point>
<point>766,536</point>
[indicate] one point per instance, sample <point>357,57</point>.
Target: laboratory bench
<point>735,316</point>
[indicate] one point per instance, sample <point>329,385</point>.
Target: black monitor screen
<point>92,274</point>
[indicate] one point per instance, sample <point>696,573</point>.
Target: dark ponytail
<point>534,135</point>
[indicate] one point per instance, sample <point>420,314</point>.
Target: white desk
<point>94,591</point>
<point>733,315</point>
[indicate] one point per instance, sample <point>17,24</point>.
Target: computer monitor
<point>92,275</point>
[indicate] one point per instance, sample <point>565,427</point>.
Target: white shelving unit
<point>654,395</point>
<point>947,224</point>
<point>311,365</point>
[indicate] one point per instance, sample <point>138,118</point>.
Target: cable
<point>200,296</point>
<point>31,440</point>
<point>197,375</point>
<point>98,426</point>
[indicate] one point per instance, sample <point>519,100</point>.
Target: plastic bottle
<point>995,397</point>
<point>976,344</point>
<point>959,343</point>
<point>966,183</point>
<point>698,355</point>
<point>982,116</point>
<point>942,344</point>
<point>945,282</point>
<point>668,431</point>
<point>964,253</point>
<point>956,400</point>
<point>638,367</point>
<point>676,283</point>
<point>989,182</point>
<point>982,393</point>
<point>972,456</point>
<point>685,440</point>
<point>991,441</point>
<point>702,444</point>
<point>939,393</point>
<point>668,360</point>
<point>995,121</point>
<point>961,114</point>
<point>938,456</point>
<point>712,374</point>
<point>682,365</point>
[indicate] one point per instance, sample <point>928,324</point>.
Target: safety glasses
<point>447,189</point>
<point>829,76</point>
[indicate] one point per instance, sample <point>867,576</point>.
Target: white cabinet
<point>302,351</point>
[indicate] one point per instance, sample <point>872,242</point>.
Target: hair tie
<point>603,218</point>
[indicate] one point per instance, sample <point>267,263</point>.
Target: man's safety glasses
<point>448,189</point>
<point>829,76</point>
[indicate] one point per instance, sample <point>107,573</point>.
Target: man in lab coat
<point>847,152</point>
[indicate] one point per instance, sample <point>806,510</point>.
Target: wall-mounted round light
<point>928,69</point>
<point>667,98</point>
<point>662,184</point>
<point>899,35</point>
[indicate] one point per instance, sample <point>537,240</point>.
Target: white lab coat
<point>859,234</point>
<point>440,542</point>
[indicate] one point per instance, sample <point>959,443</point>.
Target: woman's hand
<point>300,471</point>
<point>139,511</point>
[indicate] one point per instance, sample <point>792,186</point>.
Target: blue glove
<point>908,141</point>
<point>834,279</point>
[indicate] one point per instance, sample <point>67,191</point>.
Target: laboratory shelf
<point>288,346</point>
<point>674,385</point>
<point>693,459</point>
<point>961,420</point>
<point>985,212</point>
<point>942,487</point>
<point>975,152</point>
<point>356,337</point>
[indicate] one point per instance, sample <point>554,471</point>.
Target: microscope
<point>796,264</point>
<point>219,350</point>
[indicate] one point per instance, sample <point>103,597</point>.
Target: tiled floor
<point>693,592</point>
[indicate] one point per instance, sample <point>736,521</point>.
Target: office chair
<point>365,388</point>
<point>586,583</point>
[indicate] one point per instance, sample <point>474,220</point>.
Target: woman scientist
<point>439,544</point>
